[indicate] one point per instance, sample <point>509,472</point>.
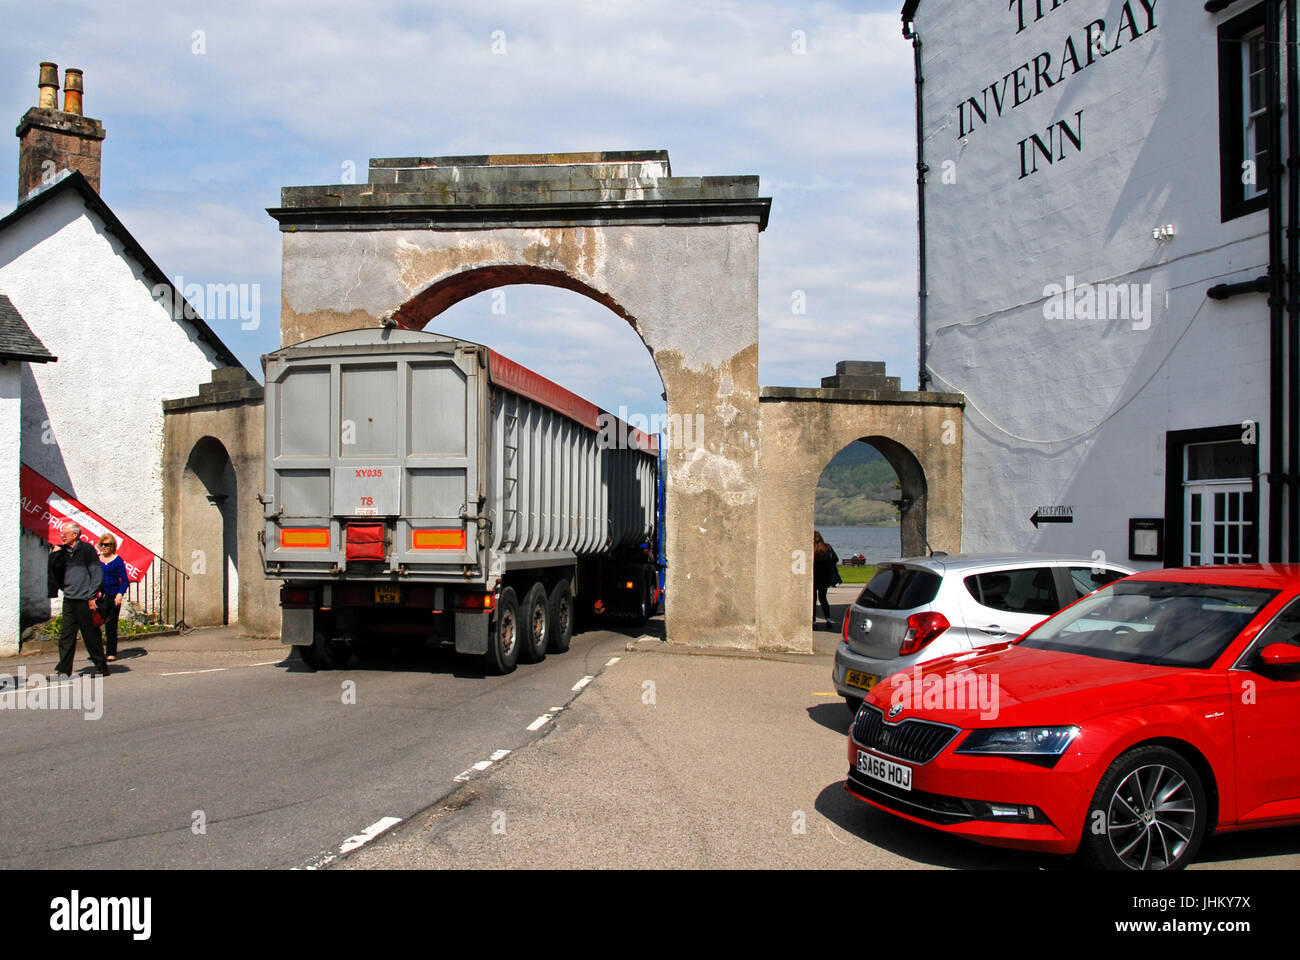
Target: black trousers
<point>76,617</point>
<point>109,610</point>
<point>819,594</point>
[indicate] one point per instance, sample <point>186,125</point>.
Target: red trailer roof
<point>528,383</point>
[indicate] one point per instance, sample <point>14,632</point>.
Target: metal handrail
<point>160,594</point>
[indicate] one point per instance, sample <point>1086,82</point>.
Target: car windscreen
<point>1156,622</point>
<point>897,587</point>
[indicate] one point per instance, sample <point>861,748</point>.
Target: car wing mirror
<point>1281,656</point>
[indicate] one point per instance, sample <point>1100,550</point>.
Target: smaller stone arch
<point>209,512</point>
<point>802,429</point>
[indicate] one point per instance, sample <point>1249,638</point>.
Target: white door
<point>1219,527</point>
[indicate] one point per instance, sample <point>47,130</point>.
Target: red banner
<point>46,508</point>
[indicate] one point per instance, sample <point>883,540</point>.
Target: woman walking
<point>826,574</point>
<point>110,598</point>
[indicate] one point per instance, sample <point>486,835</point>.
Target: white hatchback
<point>920,609</point>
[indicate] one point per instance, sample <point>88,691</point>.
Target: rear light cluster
<point>475,602</point>
<point>922,628</point>
<point>298,595</point>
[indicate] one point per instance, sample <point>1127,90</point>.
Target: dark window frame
<point>1232,200</point>
<point>1176,442</point>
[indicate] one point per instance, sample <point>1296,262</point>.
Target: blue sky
<point>199,144</point>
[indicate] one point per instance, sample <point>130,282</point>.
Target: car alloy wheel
<point>1149,812</point>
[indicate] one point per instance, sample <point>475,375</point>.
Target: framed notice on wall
<point>1146,538</point>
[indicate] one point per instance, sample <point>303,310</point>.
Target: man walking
<point>74,568</point>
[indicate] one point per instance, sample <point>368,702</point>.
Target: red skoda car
<point>1123,728</point>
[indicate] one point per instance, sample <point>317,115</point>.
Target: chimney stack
<point>51,140</point>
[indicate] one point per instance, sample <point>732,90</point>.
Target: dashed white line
<point>612,660</point>
<point>481,766</point>
<point>368,834</point>
<point>540,722</point>
<point>183,673</point>
<point>582,683</point>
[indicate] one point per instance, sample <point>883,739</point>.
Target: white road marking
<point>582,683</point>
<point>183,673</point>
<point>612,660</point>
<point>368,834</point>
<point>321,860</point>
<point>540,722</point>
<point>481,766</point>
<point>265,663</point>
<point>556,709</point>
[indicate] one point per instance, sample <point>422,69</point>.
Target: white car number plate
<point>886,771</point>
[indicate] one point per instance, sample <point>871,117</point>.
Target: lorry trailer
<point>421,487</point>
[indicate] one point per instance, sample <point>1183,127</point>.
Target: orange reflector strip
<point>305,537</point>
<point>437,539</point>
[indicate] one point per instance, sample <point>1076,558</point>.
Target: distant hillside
<point>856,489</point>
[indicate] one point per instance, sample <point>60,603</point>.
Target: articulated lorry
<point>425,488</point>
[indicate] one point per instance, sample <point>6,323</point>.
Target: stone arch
<point>209,512</point>
<point>802,430</point>
<point>675,257</point>
<point>442,294</point>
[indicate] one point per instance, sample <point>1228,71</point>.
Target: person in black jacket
<point>826,574</point>
<point>74,568</point>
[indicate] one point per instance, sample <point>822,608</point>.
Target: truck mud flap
<point>472,632</point>
<point>298,626</point>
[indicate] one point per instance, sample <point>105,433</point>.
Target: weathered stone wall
<point>801,430</point>
<point>228,412</point>
<point>691,295</point>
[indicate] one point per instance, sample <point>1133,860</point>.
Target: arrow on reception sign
<point>1052,515</point>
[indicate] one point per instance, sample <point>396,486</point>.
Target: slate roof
<point>17,342</point>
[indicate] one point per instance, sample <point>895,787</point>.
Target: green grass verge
<point>857,574</point>
<point>50,629</point>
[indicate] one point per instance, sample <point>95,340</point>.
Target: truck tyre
<point>561,610</point>
<point>325,653</point>
<point>641,612</point>
<point>534,625</point>
<point>503,644</point>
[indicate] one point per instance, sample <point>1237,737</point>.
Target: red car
<point>1122,728</point>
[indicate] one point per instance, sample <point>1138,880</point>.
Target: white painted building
<point>1089,181</point>
<point>92,423</point>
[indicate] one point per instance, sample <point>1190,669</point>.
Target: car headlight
<point>1020,741</point>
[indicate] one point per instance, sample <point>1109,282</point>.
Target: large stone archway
<point>920,434</point>
<point>677,258</point>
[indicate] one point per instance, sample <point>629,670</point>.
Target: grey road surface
<point>278,765</point>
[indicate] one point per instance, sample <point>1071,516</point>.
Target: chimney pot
<point>72,91</point>
<point>49,86</point>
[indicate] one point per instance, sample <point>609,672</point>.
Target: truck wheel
<point>534,632</point>
<point>641,613</point>
<point>561,604</point>
<point>503,645</point>
<point>326,654</point>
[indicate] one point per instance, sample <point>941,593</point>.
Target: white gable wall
<point>93,422</point>
<point>1150,156</point>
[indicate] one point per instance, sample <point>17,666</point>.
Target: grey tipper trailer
<point>426,488</point>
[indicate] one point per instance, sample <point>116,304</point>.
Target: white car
<point>920,609</point>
